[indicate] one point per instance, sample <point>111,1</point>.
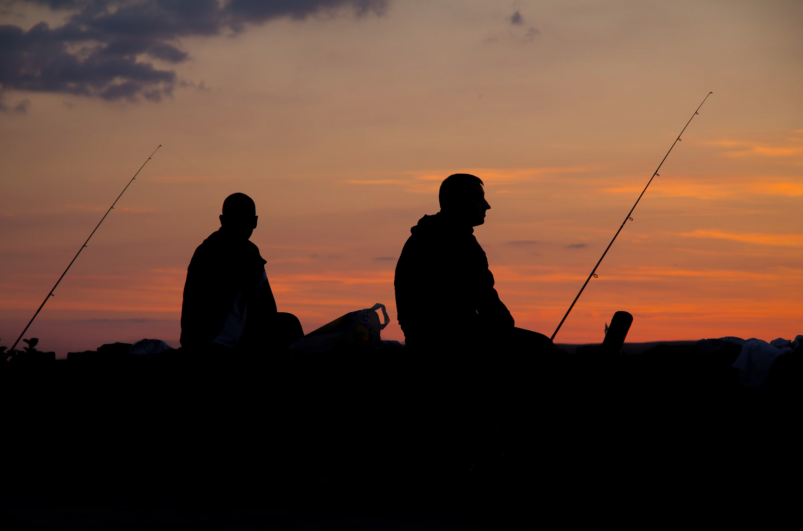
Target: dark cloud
<point>134,320</point>
<point>576,246</point>
<point>104,48</point>
<point>518,20</point>
<point>257,11</point>
<point>20,108</point>
<point>192,84</point>
<point>60,4</point>
<point>531,34</point>
<point>522,243</point>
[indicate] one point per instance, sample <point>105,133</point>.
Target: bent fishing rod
<point>82,248</point>
<point>627,218</point>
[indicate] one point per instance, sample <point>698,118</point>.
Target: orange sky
<point>341,125</point>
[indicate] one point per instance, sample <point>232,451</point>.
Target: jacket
<point>444,288</point>
<point>222,267</point>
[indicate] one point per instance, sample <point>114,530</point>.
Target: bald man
<point>228,304</point>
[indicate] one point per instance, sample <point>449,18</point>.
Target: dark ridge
<point>666,437</point>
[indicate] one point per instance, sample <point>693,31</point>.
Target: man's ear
<point>221,219</point>
<point>256,218</point>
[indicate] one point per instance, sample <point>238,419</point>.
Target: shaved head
<point>239,206</point>
<point>239,218</point>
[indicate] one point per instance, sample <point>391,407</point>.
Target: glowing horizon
<point>341,128</point>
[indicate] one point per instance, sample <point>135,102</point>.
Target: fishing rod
<point>82,248</point>
<point>627,218</point>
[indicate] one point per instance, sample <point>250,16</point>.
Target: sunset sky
<point>341,117</point>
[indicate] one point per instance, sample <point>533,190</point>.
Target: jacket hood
<point>438,224</point>
<point>235,249</point>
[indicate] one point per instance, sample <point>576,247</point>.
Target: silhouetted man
<point>228,304</point>
<point>478,369</point>
<point>445,293</point>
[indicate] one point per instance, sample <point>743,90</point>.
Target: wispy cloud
<point>518,274</point>
<point>426,182</point>
<point>782,240</point>
<point>357,277</point>
<point>779,188</point>
<point>188,179</point>
<point>648,274</point>
<point>739,148</point>
<point>376,181</point>
<point>21,107</point>
<point>491,176</point>
<point>85,208</point>
<point>716,187</point>
<point>654,274</point>
<point>131,320</point>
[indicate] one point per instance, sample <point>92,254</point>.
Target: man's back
<point>222,269</point>
<point>227,287</point>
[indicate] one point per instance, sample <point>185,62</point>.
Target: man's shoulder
<point>252,247</point>
<point>251,250</point>
<point>217,248</point>
<point>418,243</point>
<point>217,242</point>
<point>209,245</point>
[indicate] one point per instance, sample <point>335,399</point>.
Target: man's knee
<point>284,330</point>
<point>532,340</point>
<point>290,324</point>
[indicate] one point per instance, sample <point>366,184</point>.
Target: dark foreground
<point>377,439</point>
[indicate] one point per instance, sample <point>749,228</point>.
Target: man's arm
<point>265,296</point>
<point>490,308</point>
<point>195,314</point>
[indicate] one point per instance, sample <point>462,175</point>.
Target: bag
<point>355,329</point>
<point>149,347</point>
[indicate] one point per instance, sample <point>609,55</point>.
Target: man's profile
<point>228,303</point>
<point>445,293</point>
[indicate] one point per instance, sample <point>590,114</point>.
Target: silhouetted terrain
<point>663,437</point>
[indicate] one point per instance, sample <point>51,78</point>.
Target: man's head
<point>239,218</point>
<point>462,197</point>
